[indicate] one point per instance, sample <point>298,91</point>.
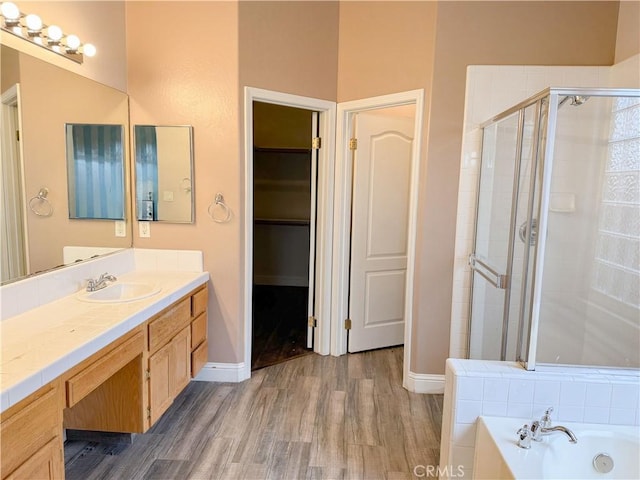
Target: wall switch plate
<point>144,229</point>
<point>121,228</point>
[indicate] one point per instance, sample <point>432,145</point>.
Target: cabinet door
<point>45,464</point>
<point>169,373</point>
<point>181,361</point>
<point>160,391</point>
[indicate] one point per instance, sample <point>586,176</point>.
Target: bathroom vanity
<point>118,367</point>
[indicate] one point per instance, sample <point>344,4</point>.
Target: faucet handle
<point>545,421</point>
<point>524,437</point>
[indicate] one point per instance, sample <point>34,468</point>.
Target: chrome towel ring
<point>219,201</point>
<point>40,204</point>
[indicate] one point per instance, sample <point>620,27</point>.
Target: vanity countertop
<point>41,344</point>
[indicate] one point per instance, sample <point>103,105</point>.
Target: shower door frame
<point>526,348</point>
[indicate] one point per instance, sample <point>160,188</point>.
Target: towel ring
<point>41,197</point>
<point>219,200</point>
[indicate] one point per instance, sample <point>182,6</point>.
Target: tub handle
<point>524,437</point>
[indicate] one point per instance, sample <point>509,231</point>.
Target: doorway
<point>284,226</point>
<point>14,253</point>
<point>397,210</point>
<point>326,117</point>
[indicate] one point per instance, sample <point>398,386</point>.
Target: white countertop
<point>41,344</point>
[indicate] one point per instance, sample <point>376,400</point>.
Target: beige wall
<point>101,23</point>
<point>289,47</point>
<point>385,47</point>
<point>45,108</point>
<point>189,76</point>
<point>9,68</point>
<point>473,33</point>
<point>628,37</point>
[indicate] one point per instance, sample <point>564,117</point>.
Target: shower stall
<point>556,257</point>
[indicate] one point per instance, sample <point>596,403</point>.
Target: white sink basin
<point>120,292</point>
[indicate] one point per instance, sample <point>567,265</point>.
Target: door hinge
<point>347,324</point>
<point>312,322</point>
<point>17,135</point>
<point>148,412</point>
<point>353,144</point>
<point>147,374</point>
<point>316,143</point>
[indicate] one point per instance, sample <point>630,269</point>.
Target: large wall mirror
<point>164,173</point>
<point>40,99</point>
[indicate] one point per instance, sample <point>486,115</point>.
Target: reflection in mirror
<point>34,211</point>
<point>164,172</point>
<point>95,170</point>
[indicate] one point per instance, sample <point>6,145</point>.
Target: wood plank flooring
<point>312,417</point>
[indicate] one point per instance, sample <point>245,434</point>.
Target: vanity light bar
<point>50,37</point>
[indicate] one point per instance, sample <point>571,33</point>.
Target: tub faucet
<point>543,427</point>
<point>557,428</point>
<point>100,282</point>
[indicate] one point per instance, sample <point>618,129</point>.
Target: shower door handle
<point>496,279</point>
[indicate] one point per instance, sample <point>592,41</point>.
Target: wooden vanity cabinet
<point>169,373</point>
<point>199,345</point>
<point>173,336</point>
<point>31,436</point>
<point>124,387</point>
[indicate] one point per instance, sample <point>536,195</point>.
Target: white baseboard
<point>425,383</point>
<point>223,372</point>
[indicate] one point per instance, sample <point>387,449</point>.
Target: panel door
<point>379,240</point>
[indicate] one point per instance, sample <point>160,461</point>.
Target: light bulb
<point>54,33</point>
<point>89,50</point>
<point>73,42</point>
<point>10,11</point>
<point>34,24</point>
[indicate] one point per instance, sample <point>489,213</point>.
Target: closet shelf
<point>281,150</point>
<point>282,184</point>
<point>296,222</point>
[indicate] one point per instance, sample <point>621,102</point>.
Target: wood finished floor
<point>312,417</point>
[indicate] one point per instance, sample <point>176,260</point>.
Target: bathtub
<point>497,455</point>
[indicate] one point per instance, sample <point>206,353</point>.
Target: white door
<point>379,239</point>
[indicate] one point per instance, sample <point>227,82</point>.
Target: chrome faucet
<point>100,282</point>
<point>546,431</point>
<point>525,435</point>
<point>543,427</point>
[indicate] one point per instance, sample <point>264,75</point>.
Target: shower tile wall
<point>491,90</point>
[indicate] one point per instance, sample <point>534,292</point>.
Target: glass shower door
<point>490,260</point>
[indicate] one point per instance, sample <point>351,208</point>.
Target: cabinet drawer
<point>199,358</point>
<point>30,428</point>
<point>82,384</point>
<point>199,302</point>
<point>167,324</point>
<point>198,330</point>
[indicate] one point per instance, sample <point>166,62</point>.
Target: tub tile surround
<point>62,331</point>
<point>504,389</point>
